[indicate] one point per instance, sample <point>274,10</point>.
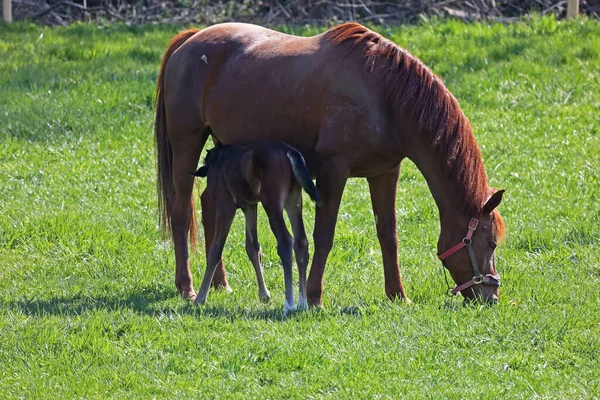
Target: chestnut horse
<point>274,174</point>
<point>355,105</point>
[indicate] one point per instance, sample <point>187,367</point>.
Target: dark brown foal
<point>274,174</point>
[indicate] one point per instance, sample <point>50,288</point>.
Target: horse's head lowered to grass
<point>438,138</point>
<point>472,260</point>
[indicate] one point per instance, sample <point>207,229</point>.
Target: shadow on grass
<point>149,303</point>
<point>143,302</point>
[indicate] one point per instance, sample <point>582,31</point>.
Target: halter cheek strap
<point>478,279</point>
<point>467,239</point>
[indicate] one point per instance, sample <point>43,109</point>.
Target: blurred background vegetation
<point>279,12</point>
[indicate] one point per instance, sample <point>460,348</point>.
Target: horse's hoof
<point>316,310</point>
<point>188,295</point>
<point>398,295</point>
<point>265,297</point>
<point>314,302</point>
<point>225,287</point>
<point>228,289</point>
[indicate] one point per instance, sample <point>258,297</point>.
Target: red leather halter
<point>478,279</point>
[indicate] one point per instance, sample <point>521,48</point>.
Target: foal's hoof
<point>199,301</point>
<point>287,308</point>
<point>302,303</point>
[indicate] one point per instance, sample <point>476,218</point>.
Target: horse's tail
<point>301,173</point>
<point>164,152</point>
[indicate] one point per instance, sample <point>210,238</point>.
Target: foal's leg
<point>273,204</point>
<point>331,179</point>
<point>253,250</point>
<point>224,218</point>
<point>209,215</point>
<point>293,208</point>
<point>383,198</point>
<point>186,152</point>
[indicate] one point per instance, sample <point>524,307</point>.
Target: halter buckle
<point>478,280</point>
<point>473,224</point>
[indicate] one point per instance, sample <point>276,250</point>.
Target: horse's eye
<point>492,245</point>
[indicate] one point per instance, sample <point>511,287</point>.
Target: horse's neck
<point>446,192</point>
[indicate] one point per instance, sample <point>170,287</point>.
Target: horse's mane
<point>413,87</point>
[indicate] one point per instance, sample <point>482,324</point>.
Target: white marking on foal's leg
<point>204,58</point>
<point>288,307</point>
<point>302,302</point>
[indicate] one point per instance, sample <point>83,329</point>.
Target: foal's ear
<point>493,202</point>
<point>202,171</point>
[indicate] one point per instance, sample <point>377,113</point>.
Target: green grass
<point>88,306</point>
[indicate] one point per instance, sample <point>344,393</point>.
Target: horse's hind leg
<point>383,198</point>
<point>186,148</point>
<point>293,208</point>
<point>253,250</point>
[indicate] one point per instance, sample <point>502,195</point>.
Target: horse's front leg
<point>383,198</point>
<point>331,180</point>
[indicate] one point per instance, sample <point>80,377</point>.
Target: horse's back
<point>252,84</point>
<point>245,78</point>
<point>232,48</point>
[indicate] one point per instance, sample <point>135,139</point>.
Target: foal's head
<point>210,160</point>
<point>467,250</point>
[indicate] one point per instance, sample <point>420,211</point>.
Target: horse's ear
<point>202,172</point>
<point>493,202</point>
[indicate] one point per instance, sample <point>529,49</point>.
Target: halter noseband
<point>478,279</point>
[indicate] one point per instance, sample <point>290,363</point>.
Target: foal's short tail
<point>164,152</point>
<point>301,173</point>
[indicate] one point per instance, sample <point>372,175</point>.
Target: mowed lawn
<point>88,306</point>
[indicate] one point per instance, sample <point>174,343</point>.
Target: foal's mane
<point>413,87</point>
<point>223,160</point>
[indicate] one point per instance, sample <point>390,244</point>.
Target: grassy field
<point>88,306</point>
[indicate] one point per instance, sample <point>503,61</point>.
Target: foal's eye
<point>492,245</point>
